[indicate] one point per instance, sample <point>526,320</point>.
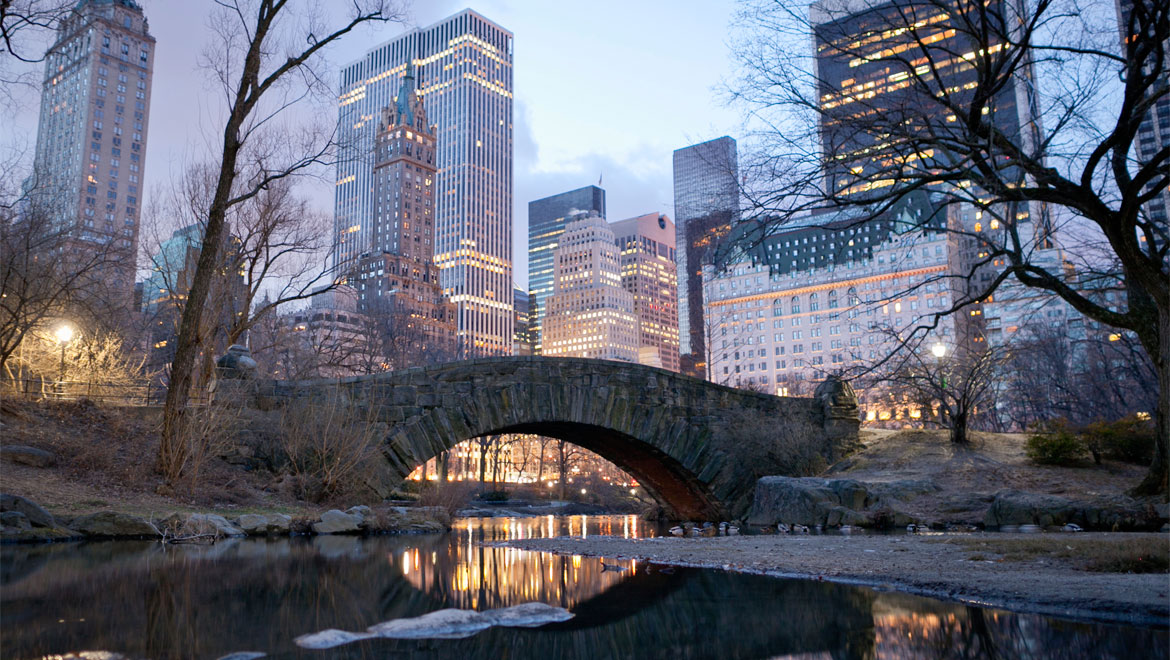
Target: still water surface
<point>145,600</point>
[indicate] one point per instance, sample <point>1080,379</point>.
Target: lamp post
<point>939,350</point>
<point>64,334</point>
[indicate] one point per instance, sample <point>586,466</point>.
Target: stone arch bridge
<point>695,446</point>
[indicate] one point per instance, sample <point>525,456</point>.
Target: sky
<point>604,90</point>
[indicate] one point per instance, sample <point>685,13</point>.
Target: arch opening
<point>671,485</point>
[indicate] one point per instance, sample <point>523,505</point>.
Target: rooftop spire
<point>406,96</point>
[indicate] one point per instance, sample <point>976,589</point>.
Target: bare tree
<point>271,256</point>
<point>269,58</point>
<point>941,95</point>
<point>951,388</point>
<point>24,27</point>
<point>1102,377</point>
<point>44,274</point>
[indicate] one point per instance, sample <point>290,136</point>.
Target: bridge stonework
<point>694,446</point>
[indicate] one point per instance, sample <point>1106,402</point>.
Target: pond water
<point>145,600</point>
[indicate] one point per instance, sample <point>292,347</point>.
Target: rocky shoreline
<point>24,521</point>
<point>935,565</point>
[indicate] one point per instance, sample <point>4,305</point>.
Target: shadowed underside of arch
<point>675,434</point>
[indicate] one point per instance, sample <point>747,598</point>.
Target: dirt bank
<point>1042,574</point>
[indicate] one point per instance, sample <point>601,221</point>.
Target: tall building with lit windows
<point>873,59</point>
<point>589,314</point>
<point>647,255</point>
<point>91,138</point>
<point>463,65</point>
<point>397,279</point>
<point>706,205</point>
<point>547,218</point>
<point>1154,131</point>
<point>834,296</point>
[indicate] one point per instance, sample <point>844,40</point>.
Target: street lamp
<point>939,350</point>
<point>64,334</point>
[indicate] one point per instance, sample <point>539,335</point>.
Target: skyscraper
<point>871,105</point>
<point>91,140</point>
<point>464,65</point>
<point>547,218</point>
<point>1154,131</point>
<point>522,339</point>
<point>397,279</point>
<point>590,315</point>
<point>706,204</point>
<point>646,248</point>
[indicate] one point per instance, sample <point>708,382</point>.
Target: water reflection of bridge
<point>184,602</point>
<point>471,575</point>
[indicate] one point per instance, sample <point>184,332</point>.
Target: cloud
<point>637,181</point>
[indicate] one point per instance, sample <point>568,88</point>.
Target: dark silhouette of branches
<point>1024,115</point>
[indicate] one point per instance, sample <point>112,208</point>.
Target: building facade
<point>90,161</point>
<point>833,298</point>
<point>522,342</point>
<point>164,294</point>
<point>589,314</point>
<point>330,339</point>
<point>865,52</point>
<point>397,280</point>
<point>706,205</point>
<point>547,218</point>
<point>464,63</point>
<point>1154,131</point>
<point>649,272</point>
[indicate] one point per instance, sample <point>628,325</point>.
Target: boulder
<point>361,510</point>
<point>199,524</point>
<point>337,522</point>
<point>803,500</point>
<point>257,525</point>
<point>36,516</point>
<point>27,456</point>
<point>813,501</point>
<point>114,524</point>
<point>1011,507</point>
<point>14,520</point>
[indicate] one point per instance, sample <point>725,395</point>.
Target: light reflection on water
<point>150,601</point>
<point>472,575</point>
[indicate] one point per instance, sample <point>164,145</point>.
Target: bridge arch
<point>675,434</point>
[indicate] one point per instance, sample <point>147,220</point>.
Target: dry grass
<point>1137,553</point>
<point>106,457</point>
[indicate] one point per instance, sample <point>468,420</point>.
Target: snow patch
<point>442,624</point>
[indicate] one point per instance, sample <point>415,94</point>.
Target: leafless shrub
<point>204,434</point>
<point>330,442</point>
<point>450,497</point>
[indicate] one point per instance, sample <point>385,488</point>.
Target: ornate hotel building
<point>397,279</point>
<point>589,314</point>
<point>90,161</point>
<point>649,273</point>
<point>464,67</point>
<point>827,298</point>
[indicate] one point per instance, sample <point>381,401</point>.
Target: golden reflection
<point>479,576</point>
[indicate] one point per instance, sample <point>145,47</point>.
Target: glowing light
<point>64,333</point>
<point>939,349</point>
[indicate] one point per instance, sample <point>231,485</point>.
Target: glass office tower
<point>464,69</point>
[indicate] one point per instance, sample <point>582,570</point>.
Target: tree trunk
<point>562,468</point>
<point>443,458</point>
<point>959,428</point>
<point>483,443</point>
<point>1155,481</point>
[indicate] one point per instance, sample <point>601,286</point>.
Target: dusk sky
<point>602,89</point>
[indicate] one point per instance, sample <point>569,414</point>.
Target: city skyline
<point>560,145</point>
